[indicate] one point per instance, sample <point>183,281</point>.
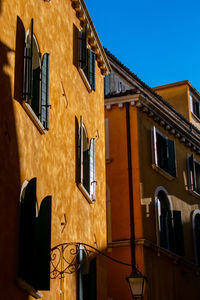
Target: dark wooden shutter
<point>83,53</point>
<point>171,158</point>
<point>28,66</point>
<point>92,69</point>
<point>45,92</point>
<point>92,169</point>
<point>178,233</point>
<point>27,233</point>
<point>191,175</point>
<point>43,245</point>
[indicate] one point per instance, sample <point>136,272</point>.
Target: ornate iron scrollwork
<point>64,258</point>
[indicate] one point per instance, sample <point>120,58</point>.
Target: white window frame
<point>191,187</point>
<point>89,196</point>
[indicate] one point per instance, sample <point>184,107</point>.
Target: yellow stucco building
<point>52,175</point>
<point>152,173</point>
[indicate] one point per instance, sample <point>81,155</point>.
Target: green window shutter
<point>191,175</point>
<point>45,92</point>
<point>28,66</point>
<point>80,152</point>
<point>92,169</point>
<point>92,69</point>
<point>171,158</point>
<point>27,233</point>
<point>178,233</point>
<point>43,245</point>
<point>83,53</point>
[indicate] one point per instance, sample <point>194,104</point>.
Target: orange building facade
<point>52,177</point>
<point>153,208</point>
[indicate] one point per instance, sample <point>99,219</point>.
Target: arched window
<point>164,214</point>
<point>86,163</point>
<point>34,240</point>
<point>36,78</point>
<point>169,223</point>
<point>196,234</point>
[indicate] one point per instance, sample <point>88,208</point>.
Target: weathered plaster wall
<point>178,97</point>
<point>51,157</point>
<point>177,188</point>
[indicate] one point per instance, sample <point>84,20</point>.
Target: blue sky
<point>159,40</point>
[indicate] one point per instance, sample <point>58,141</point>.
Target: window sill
<point>195,194</point>
<point>85,193</point>
<point>195,116</point>
<point>33,117</point>
<point>28,288</point>
<point>162,172</point>
<point>85,80</point>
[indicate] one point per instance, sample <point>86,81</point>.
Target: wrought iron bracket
<point>64,258</point>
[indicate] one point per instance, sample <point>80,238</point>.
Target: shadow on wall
<point>9,183</point>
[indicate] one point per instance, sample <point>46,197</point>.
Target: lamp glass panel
<point>136,285</point>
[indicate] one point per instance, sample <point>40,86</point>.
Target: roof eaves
<point>151,90</point>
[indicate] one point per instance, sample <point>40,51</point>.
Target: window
<point>36,80</point>
<point>86,277</point>
<point>86,163</point>
<point>170,232</point>
<point>195,106</point>
<point>193,174</point>
<point>163,152</point>
<point>86,61</point>
<point>196,235</point>
<point>34,241</point>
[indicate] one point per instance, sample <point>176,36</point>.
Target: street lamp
<point>137,284</point>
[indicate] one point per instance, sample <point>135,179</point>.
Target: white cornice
<point>162,115</point>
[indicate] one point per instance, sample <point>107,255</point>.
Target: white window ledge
<point>28,288</point>
<point>33,117</point>
<point>88,86</point>
<point>195,116</point>
<point>85,193</point>
<point>195,194</point>
<point>162,172</point>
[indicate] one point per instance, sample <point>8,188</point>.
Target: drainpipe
<point>130,177</point>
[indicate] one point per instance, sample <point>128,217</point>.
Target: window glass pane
<point>197,171</point>
<point>162,152</point>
